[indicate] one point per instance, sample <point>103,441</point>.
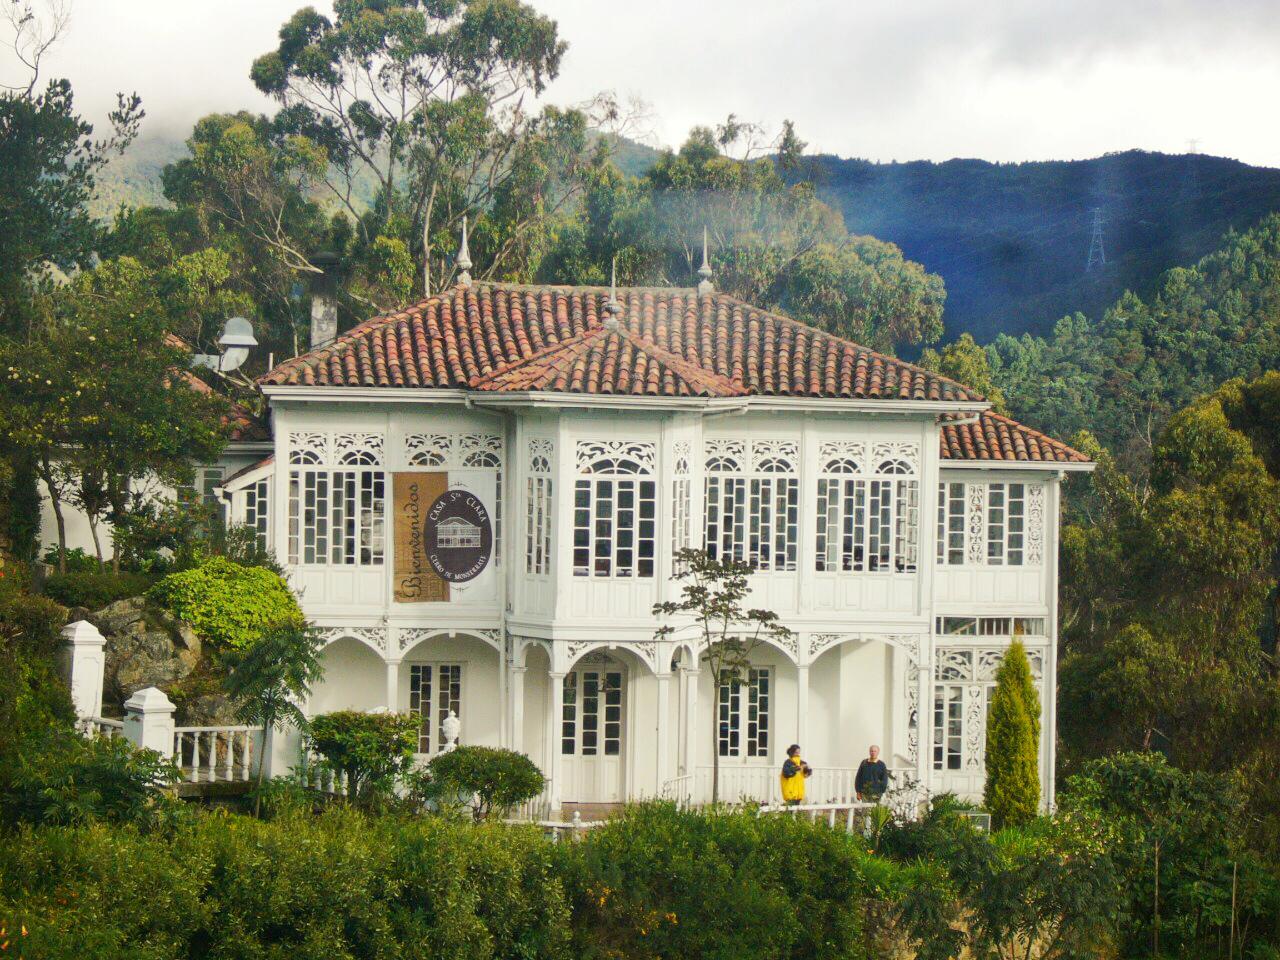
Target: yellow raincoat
<point>793,786</point>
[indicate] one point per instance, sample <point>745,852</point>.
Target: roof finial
<point>463,260</point>
<point>611,307</point>
<point>705,286</point>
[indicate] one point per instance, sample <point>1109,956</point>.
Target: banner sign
<point>443,534</point>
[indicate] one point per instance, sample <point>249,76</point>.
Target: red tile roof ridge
<point>981,441</point>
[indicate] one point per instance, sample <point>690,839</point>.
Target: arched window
<point>337,515</point>
<point>868,523</point>
<point>614,510</point>
<point>752,515</point>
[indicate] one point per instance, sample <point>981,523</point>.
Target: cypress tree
<point>1012,793</point>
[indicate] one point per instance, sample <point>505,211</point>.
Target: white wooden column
<point>663,736</point>
<point>554,766</point>
<point>802,708</point>
<point>503,713</point>
<point>924,712</point>
<point>393,686</point>
<point>691,722</point>
<point>515,690</point>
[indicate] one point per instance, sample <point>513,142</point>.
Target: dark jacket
<point>872,779</point>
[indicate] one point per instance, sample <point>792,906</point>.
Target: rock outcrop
<point>148,647</point>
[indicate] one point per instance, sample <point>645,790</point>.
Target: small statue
<point>451,726</point>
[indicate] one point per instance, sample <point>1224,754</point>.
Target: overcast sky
<point>893,79</point>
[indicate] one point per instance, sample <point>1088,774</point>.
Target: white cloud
<point>926,79</point>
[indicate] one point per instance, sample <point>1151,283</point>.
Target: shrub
<point>227,604</point>
<point>95,589</point>
<point>77,560</point>
<point>371,750</point>
<point>64,778</point>
<point>658,882</point>
<point>33,695</point>
<point>492,777</point>
<point>1012,792</point>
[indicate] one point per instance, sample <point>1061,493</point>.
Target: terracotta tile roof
<point>609,362</point>
<point>995,438</point>
<point>462,337</point>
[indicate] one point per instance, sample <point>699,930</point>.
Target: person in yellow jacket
<point>794,773</point>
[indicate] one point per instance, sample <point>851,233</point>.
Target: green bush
<point>339,885</point>
<point>371,750</point>
<point>658,882</point>
<point>94,589</point>
<point>64,778</point>
<point>76,560</point>
<point>227,604</point>
<point>490,776</point>
<point>33,694</point>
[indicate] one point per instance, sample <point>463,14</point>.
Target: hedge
<point>94,589</point>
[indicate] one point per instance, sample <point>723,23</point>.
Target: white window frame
<point>744,728</point>
<point>762,504</point>
<point>1006,524</point>
<point>591,717</point>
<point>257,511</point>
<point>952,506</point>
<point>337,512</point>
<point>606,534</point>
<point>867,523</point>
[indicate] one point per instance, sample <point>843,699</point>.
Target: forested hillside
<point>1122,373</point>
<point>1011,241</point>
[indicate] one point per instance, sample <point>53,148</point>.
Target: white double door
<point>592,732</point>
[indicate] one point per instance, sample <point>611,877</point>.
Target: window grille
<point>867,523</point>
<point>738,735</point>
<point>753,516</point>
<point>948,727</point>
<point>614,519</point>
<point>951,509</point>
<point>257,514</point>
<point>337,514</point>
<point>431,701</point>
<point>591,716</point>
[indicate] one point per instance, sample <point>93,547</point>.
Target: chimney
<point>324,300</point>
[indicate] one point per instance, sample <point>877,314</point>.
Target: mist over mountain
<point>1012,240</point>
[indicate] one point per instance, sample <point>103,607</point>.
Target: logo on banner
<point>458,536</point>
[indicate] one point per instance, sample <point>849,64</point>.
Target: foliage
<point>1124,372</point>
<point>65,778</point>
<point>94,589</point>
<point>1168,601</point>
<point>428,99</point>
<point>89,399</point>
<point>75,559</point>
<point>228,605</point>
<point>337,885</point>
<point>370,750</point>
<point>658,882</point>
<point>773,244</point>
<point>33,695</point>
<point>491,777</point>
<point>1012,792</point>
<point>269,678</point>
<point>712,592</point>
<point>1180,840</point>
<point>158,535</point>
<point>52,163</point>
<point>966,362</point>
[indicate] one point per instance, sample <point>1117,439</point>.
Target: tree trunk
<point>46,474</point>
<point>715,746</point>
<point>262,759</point>
<point>97,545</point>
<point>1155,922</point>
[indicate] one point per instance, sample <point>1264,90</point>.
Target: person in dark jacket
<point>873,777</point>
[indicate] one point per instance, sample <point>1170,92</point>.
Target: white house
<point>901,530</point>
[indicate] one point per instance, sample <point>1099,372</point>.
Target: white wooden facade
<point>902,594</point>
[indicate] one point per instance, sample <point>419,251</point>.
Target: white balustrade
<point>216,754</point>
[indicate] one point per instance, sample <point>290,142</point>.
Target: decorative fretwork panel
<point>616,456</point>
<point>358,449</point>
<point>446,450</point>
<point>309,448</point>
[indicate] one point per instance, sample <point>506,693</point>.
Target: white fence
<point>757,784</point>
<point>217,754</point>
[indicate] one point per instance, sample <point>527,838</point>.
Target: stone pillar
<point>393,686</point>
<point>83,663</point>
<point>663,735</point>
<point>148,721</point>
<point>554,766</point>
<point>515,689</point>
